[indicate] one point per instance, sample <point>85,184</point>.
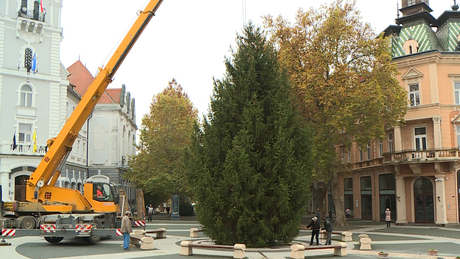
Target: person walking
<point>126,230</point>
<point>388,217</point>
<point>328,228</point>
<point>150,213</point>
<point>315,227</point>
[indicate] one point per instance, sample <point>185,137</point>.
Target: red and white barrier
<point>84,228</point>
<point>139,223</point>
<point>118,232</point>
<point>8,232</point>
<point>48,228</point>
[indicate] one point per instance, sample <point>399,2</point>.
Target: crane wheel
<point>94,239</point>
<point>28,222</point>
<point>53,240</point>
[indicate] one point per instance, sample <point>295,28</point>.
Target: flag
<point>14,141</point>
<point>34,63</point>
<point>34,138</point>
<point>41,5</point>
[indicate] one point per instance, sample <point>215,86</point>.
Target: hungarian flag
<point>41,5</point>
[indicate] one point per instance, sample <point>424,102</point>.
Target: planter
<point>432,252</point>
<point>383,255</point>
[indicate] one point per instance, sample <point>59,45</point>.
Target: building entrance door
<point>20,187</point>
<point>424,207</point>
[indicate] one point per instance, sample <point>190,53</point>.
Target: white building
<point>112,129</point>
<point>38,97</point>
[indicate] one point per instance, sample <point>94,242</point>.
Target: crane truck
<point>55,212</point>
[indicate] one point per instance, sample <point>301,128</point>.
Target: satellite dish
<point>40,183</point>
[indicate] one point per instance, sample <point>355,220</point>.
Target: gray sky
<point>187,40</point>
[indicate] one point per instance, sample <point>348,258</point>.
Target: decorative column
<point>401,216</point>
<point>437,134</point>
<point>440,200</point>
<point>397,139</point>
<point>4,180</point>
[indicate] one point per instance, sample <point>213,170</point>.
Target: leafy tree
<point>250,163</point>
<point>345,79</point>
<point>158,168</point>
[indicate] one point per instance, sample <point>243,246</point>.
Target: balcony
<point>22,149</point>
<point>422,156</point>
<point>409,157</point>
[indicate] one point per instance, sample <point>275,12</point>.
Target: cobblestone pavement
<point>409,241</point>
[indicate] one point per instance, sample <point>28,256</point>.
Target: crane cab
<point>102,195</point>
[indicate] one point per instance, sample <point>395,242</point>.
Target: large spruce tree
<point>250,163</point>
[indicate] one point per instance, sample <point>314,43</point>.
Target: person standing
<point>347,213</point>
<point>126,230</point>
<point>388,217</point>
<point>315,227</point>
<point>328,228</point>
<point>150,213</point>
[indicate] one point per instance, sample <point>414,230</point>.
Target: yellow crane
<point>56,204</point>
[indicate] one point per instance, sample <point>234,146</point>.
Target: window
<point>369,151</point>
<point>410,2</point>
<point>348,194</point>
<point>387,196</point>
<point>349,155</point>
<point>25,133</point>
<point>380,148</point>
<point>457,92</point>
<point>343,155</point>
<point>26,96</point>
<point>420,138</point>
<point>366,197</point>
<point>390,142</point>
<point>414,95</point>
<point>458,139</point>
<point>360,155</point>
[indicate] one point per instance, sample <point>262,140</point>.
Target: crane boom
<point>62,145</point>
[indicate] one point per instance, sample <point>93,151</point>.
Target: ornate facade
<point>415,171</point>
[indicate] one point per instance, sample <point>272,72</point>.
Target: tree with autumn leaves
<point>158,168</point>
<point>343,75</point>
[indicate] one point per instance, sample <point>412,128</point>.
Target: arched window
<point>411,47</point>
<point>26,96</point>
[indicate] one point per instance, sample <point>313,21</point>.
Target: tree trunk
<point>322,190</point>
<point>338,203</point>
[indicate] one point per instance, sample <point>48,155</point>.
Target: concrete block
<point>193,232</point>
<point>342,251</point>
<point>365,243</point>
<point>146,243</point>
<point>162,233</point>
<point>239,251</point>
<point>347,236</point>
<point>185,249</point>
<point>297,251</point>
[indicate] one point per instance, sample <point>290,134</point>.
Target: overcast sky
<point>187,40</point>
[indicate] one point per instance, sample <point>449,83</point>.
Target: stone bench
<point>238,249</point>
<point>160,233</point>
<point>346,235</point>
<point>138,238</point>
<point>297,250</point>
<point>194,232</point>
<point>365,243</point>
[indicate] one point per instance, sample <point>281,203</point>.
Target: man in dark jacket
<point>328,228</point>
<point>315,227</point>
